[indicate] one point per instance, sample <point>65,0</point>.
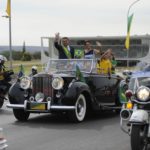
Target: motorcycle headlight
<point>25,82</point>
<point>39,97</point>
<point>57,83</point>
<point>143,93</point>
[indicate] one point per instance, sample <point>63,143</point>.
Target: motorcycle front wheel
<point>139,137</point>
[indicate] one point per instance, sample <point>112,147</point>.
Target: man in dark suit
<point>65,51</point>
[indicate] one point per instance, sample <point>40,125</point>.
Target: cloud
<point>32,19</point>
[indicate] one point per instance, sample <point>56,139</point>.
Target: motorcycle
<point>5,85</point>
<point>135,117</point>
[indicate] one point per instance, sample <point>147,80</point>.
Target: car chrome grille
<point>42,84</point>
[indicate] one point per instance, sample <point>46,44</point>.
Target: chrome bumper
<point>49,107</point>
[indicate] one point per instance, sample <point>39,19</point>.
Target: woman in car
<point>89,52</point>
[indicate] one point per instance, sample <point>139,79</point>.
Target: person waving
<point>65,51</point>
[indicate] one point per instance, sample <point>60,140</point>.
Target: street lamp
<point>127,27</point>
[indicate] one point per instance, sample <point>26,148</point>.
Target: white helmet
<point>2,58</point>
<point>34,67</point>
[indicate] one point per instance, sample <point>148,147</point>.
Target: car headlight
<point>143,93</point>
<point>25,82</point>
<point>57,83</point>
<point>39,97</point>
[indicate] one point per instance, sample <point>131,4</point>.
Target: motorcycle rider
<point>2,68</point>
<point>3,76</point>
<point>33,71</point>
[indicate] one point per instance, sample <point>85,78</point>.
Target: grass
<point>27,65</point>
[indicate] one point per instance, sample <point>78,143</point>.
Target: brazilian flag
<point>127,42</point>
<point>79,53</point>
<point>121,92</point>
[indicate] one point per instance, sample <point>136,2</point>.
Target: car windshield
<point>70,65</point>
<point>145,81</point>
<point>147,68</point>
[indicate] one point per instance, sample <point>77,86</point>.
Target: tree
<point>24,48</point>
<point>23,52</point>
<point>36,55</point>
<point>26,57</point>
<point>17,55</point>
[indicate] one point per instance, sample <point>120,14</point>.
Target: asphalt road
<point>52,132</point>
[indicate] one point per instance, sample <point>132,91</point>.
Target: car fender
<point>139,117</point>
<point>75,89</point>
<point>16,94</point>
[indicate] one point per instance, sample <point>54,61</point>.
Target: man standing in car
<point>65,51</point>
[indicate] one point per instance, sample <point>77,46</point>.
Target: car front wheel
<point>79,113</point>
<point>21,115</point>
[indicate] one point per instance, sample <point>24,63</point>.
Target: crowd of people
<point>106,62</point>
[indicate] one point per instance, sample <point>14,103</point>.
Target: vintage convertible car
<point>69,86</point>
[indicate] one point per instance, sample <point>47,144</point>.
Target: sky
<point>33,19</point>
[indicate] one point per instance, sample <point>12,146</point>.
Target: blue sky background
<point>32,19</point>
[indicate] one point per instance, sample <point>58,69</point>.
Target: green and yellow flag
<point>79,53</point>
<point>127,42</point>
<point>8,9</point>
<point>21,71</point>
<point>79,75</point>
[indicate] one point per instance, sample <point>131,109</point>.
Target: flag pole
<point>10,38</point>
<point>127,28</point>
<point>8,11</point>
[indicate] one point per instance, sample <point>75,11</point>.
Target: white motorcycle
<point>135,117</point>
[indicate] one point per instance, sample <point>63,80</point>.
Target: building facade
<point>139,47</point>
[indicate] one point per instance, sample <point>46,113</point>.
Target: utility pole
<point>8,10</point>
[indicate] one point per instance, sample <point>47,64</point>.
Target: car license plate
<point>38,106</point>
